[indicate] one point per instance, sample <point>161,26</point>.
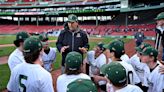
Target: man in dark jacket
<point>160,32</point>
<point>72,38</point>
<point>139,37</point>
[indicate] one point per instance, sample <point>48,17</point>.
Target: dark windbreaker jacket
<point>74,40</point>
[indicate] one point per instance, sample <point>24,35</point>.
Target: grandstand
<point>97,17</point>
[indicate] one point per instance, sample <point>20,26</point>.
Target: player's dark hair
<point>74,72</point>
<point>155,58</point>
<point>123,53</point>
<point>31,57</point>
<point>117,54</point>
<point>120,84</point>
<point>17,42</point>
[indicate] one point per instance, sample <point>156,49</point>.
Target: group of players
<point>110,68</point>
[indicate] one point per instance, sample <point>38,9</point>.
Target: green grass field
<point>5,51</point>
<point>4,76</point>
<point>8,39</point>
<point>4,69</point>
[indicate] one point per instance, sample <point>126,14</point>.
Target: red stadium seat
<point>148,29</point>
<point>5,4</point>
<point>28,0</point>
<point>11,0</point>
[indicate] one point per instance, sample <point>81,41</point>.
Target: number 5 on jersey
<point>22,79</point>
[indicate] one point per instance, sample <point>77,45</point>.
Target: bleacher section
<point>28,0</point>
<point>11,0</point>
<point>102,30</point>
<point>148,29</point>
<point>12,29</point>
<point>32,2</point>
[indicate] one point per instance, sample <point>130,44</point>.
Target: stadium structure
<point>97,17</point>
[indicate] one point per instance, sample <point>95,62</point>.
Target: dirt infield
<point>3,60</point>
<point>129,48</point>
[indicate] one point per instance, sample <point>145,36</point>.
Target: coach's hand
<point>63,49</point>
<point>84,50</point>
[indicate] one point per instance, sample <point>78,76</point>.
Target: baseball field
<point>6,47</point>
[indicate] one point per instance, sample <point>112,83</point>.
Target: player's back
<point>15,58</point>
<point>64,79</point>
<point>125,58</point>
<point>130,88</point>
<point>30,77</point>
<point>136,63</point>
<point>132,76</point>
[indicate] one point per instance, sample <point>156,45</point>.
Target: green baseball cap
<point>43,37</point>
<point>116,73</point>
<point>72,18</point>
<point>160,16</point>
<point>142,46</point>
<point>120,40</point>
<point>101,46</point>
<point>117,46</point>
<point>73,60</point>
<point>82,85</point>
<point>32,44</point>
<point>22,35</point>
<point>150,51</point>
<point>106,46</point>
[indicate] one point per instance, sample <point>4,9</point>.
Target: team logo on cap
<point>20,37</point>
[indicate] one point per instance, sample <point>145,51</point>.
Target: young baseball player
<point>82,85</point>
<point>154,77</point>
<point>30,76</point>
<point>16,57</point>
<point>115,51</point>
<point>96,59</point>
<point>124,57</point>
<point>73,71</point>
<point>140,67</point>
<point>135,59</point>
<point>49,54</point>
<point>117,79</point>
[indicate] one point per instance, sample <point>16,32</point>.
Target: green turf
<point>7,39</point>
<point>52,38</point>
<point>4,69</point>
<point>5,51</point>
<point>57,63</point>
<point>4,76</point>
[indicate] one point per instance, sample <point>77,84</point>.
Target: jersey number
<point>22,77</point>
<point>130,77</point>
